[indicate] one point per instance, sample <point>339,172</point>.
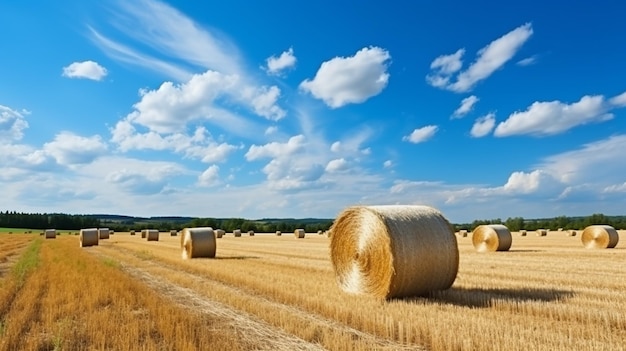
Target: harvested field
<point>269,292</point>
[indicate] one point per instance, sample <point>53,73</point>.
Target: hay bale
<point>103,233</point>
<point>542,232</point>
<point>393,251</point>
<point>198,242</point>
<point>173,232</point>
<point>219,233</point>
<point>572,233</point>
<point>299,233</point>
<point>522,232</point>
<point>143,233</point>
<point>237,233</point>
<point>111,232</point>
<point>132,232</point>
<point>251,232</point>
<point>463,232</point>
<point>50,233</point>
<point>320,232</point>
<point>600,237</point>
<point>89,237</point>
<point>152,234</point>
<point>279,233</point>
<point>491,237</point>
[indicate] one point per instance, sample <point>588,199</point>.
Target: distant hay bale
<point>111,232</point>
<point>522,232</point>
<point>198,242</point>
<point>103,233</point>
<point>89,237</point>
<point>600,237</point>
<point>393,251</point>
<point>542,232</point>
<point>328,233</point>
<point>173,232</point>
<point>463,232</point>
<point>320,232</point>
<point>559,229</point>
<point>132,232</point>
<point>237,233</point>
<point>491,237</point>
<point>50,233</point>
<point>152,234</point>
<point>219,233</point>
<point>572,233</point>
<point>299,233</point>
<point>143,233</point>
<point>279,233</point>
<point>41,233</point>
<point>251,232</point>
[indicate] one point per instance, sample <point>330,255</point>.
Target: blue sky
<point>300,109</point>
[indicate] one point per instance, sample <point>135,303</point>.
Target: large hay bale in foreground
<point>600,237</point>
<point>152,234</point>
<point>103,233</point>
<point>88,237</point>
<point>542,232</point>
<point>173,232</point>
<point>492,237</point>
<point>299,233</point>
<point>219,233</point>
<point>393,251</point>
<point>198,242</point>
<point>50,233</point>
<point>237,233</point>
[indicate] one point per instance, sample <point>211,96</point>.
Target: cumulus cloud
<point>350,80</point>
<point>86,69</point>
<point>421,135</point>
<point>69,149</point>
<point>527,61</point>
<point>387,164</point>
<point>483,125</point>
<point>277,65</point>
<point>467,105</point>
<point>554,117</point>
<point>337,165</point>
<point>489,59</point>
<point>276,149</point>
<point>12,124</point>
<point>210,177</point>
<point>145,178</point>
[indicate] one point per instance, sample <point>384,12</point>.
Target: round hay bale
<point>328,233</point>
<point>491,237</point>
<point>279,233</point>
<point>393,251</point>
<point>600,237</point>
<point>219,233</point>
<point>132,232</point>
<point>198,242</point>
<point>251,232</point>
<point>173,232</point>
<point>89,237</point>
<point>111,232</point>
<point>463,232</point>
<point>50,233</point>
<point>237,233</point>
<point>299,233</point>
<point>103,233</point>
<point>522,232</point>
<point>572,233</point>
<point>152,234</point>
<point>542,232</point>
<point>320,232</point>
<point>143,233</point>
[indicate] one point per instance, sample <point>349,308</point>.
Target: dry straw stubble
<point>88,237</point>
<point>393,251</point>
<point>492,237</point>
<point>599,237</point>
<point>198,242</point>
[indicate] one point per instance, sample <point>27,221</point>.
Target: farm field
<point>270,292</point>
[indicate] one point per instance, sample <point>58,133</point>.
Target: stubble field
<point>269,292</point>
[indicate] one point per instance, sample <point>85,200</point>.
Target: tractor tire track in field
<point>175,292</point>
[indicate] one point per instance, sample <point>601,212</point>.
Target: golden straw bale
<point>600,237</point>
<point>50,233</point>
<point>491,237</point>
<point>103,233</point>
<point>251,232</point>
<point>173,232</point>
<point>143,233</point>
<point>89,237</point>
<point>463,232</point>
<point>237,233</point>
<point>299,233</point>
<point>320,232</point>
<point>152,234</point>
<point>219,233</point>
<point>542,232</point>
<point>393,251</point>
<point>573,233</point>
<point>198,242</point>
<point>132,232</point>
<point>279,233</point>
<point>522,232</point>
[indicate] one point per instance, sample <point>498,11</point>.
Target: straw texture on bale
<point>198,242</point>
<point>393,251</point>
<point>143,233</point>
<point>600,237</point>
<point>522,232</point>
<point>50,233</point>
<point>299,233</point>
<point>132,232</point>
<point>219,233</point>
<point>251,232</point>
<point>152,234</point>
<point>103,233</point>
<point>88,237</point>
<point>279,233</point>
<point>542,232</point>
<point>491,237</point>
<point>237,233</point>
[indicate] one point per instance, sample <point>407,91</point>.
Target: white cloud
<point>12,124</point>
<point>210,177</point>
<point>263,100</point>
<point>387,164</point>
<point>615,188</point>
<point>271,130</point>
<point>420,135</point>
<point>86,69</point>
<point>276,65</point>
<point>69,149</point>
<point>345,80</point>
<point>525,183</point>
<point>483,125</point>
<point>554,117</point>
<point>467,105</point>
<point>276,149</point>
<point>527,61</point>
<point>138,176</point>
<point>619,100</point>
<point>489,59</point>
<point>337,165</point>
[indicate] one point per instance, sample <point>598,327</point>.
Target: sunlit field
<point>272,292</point>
